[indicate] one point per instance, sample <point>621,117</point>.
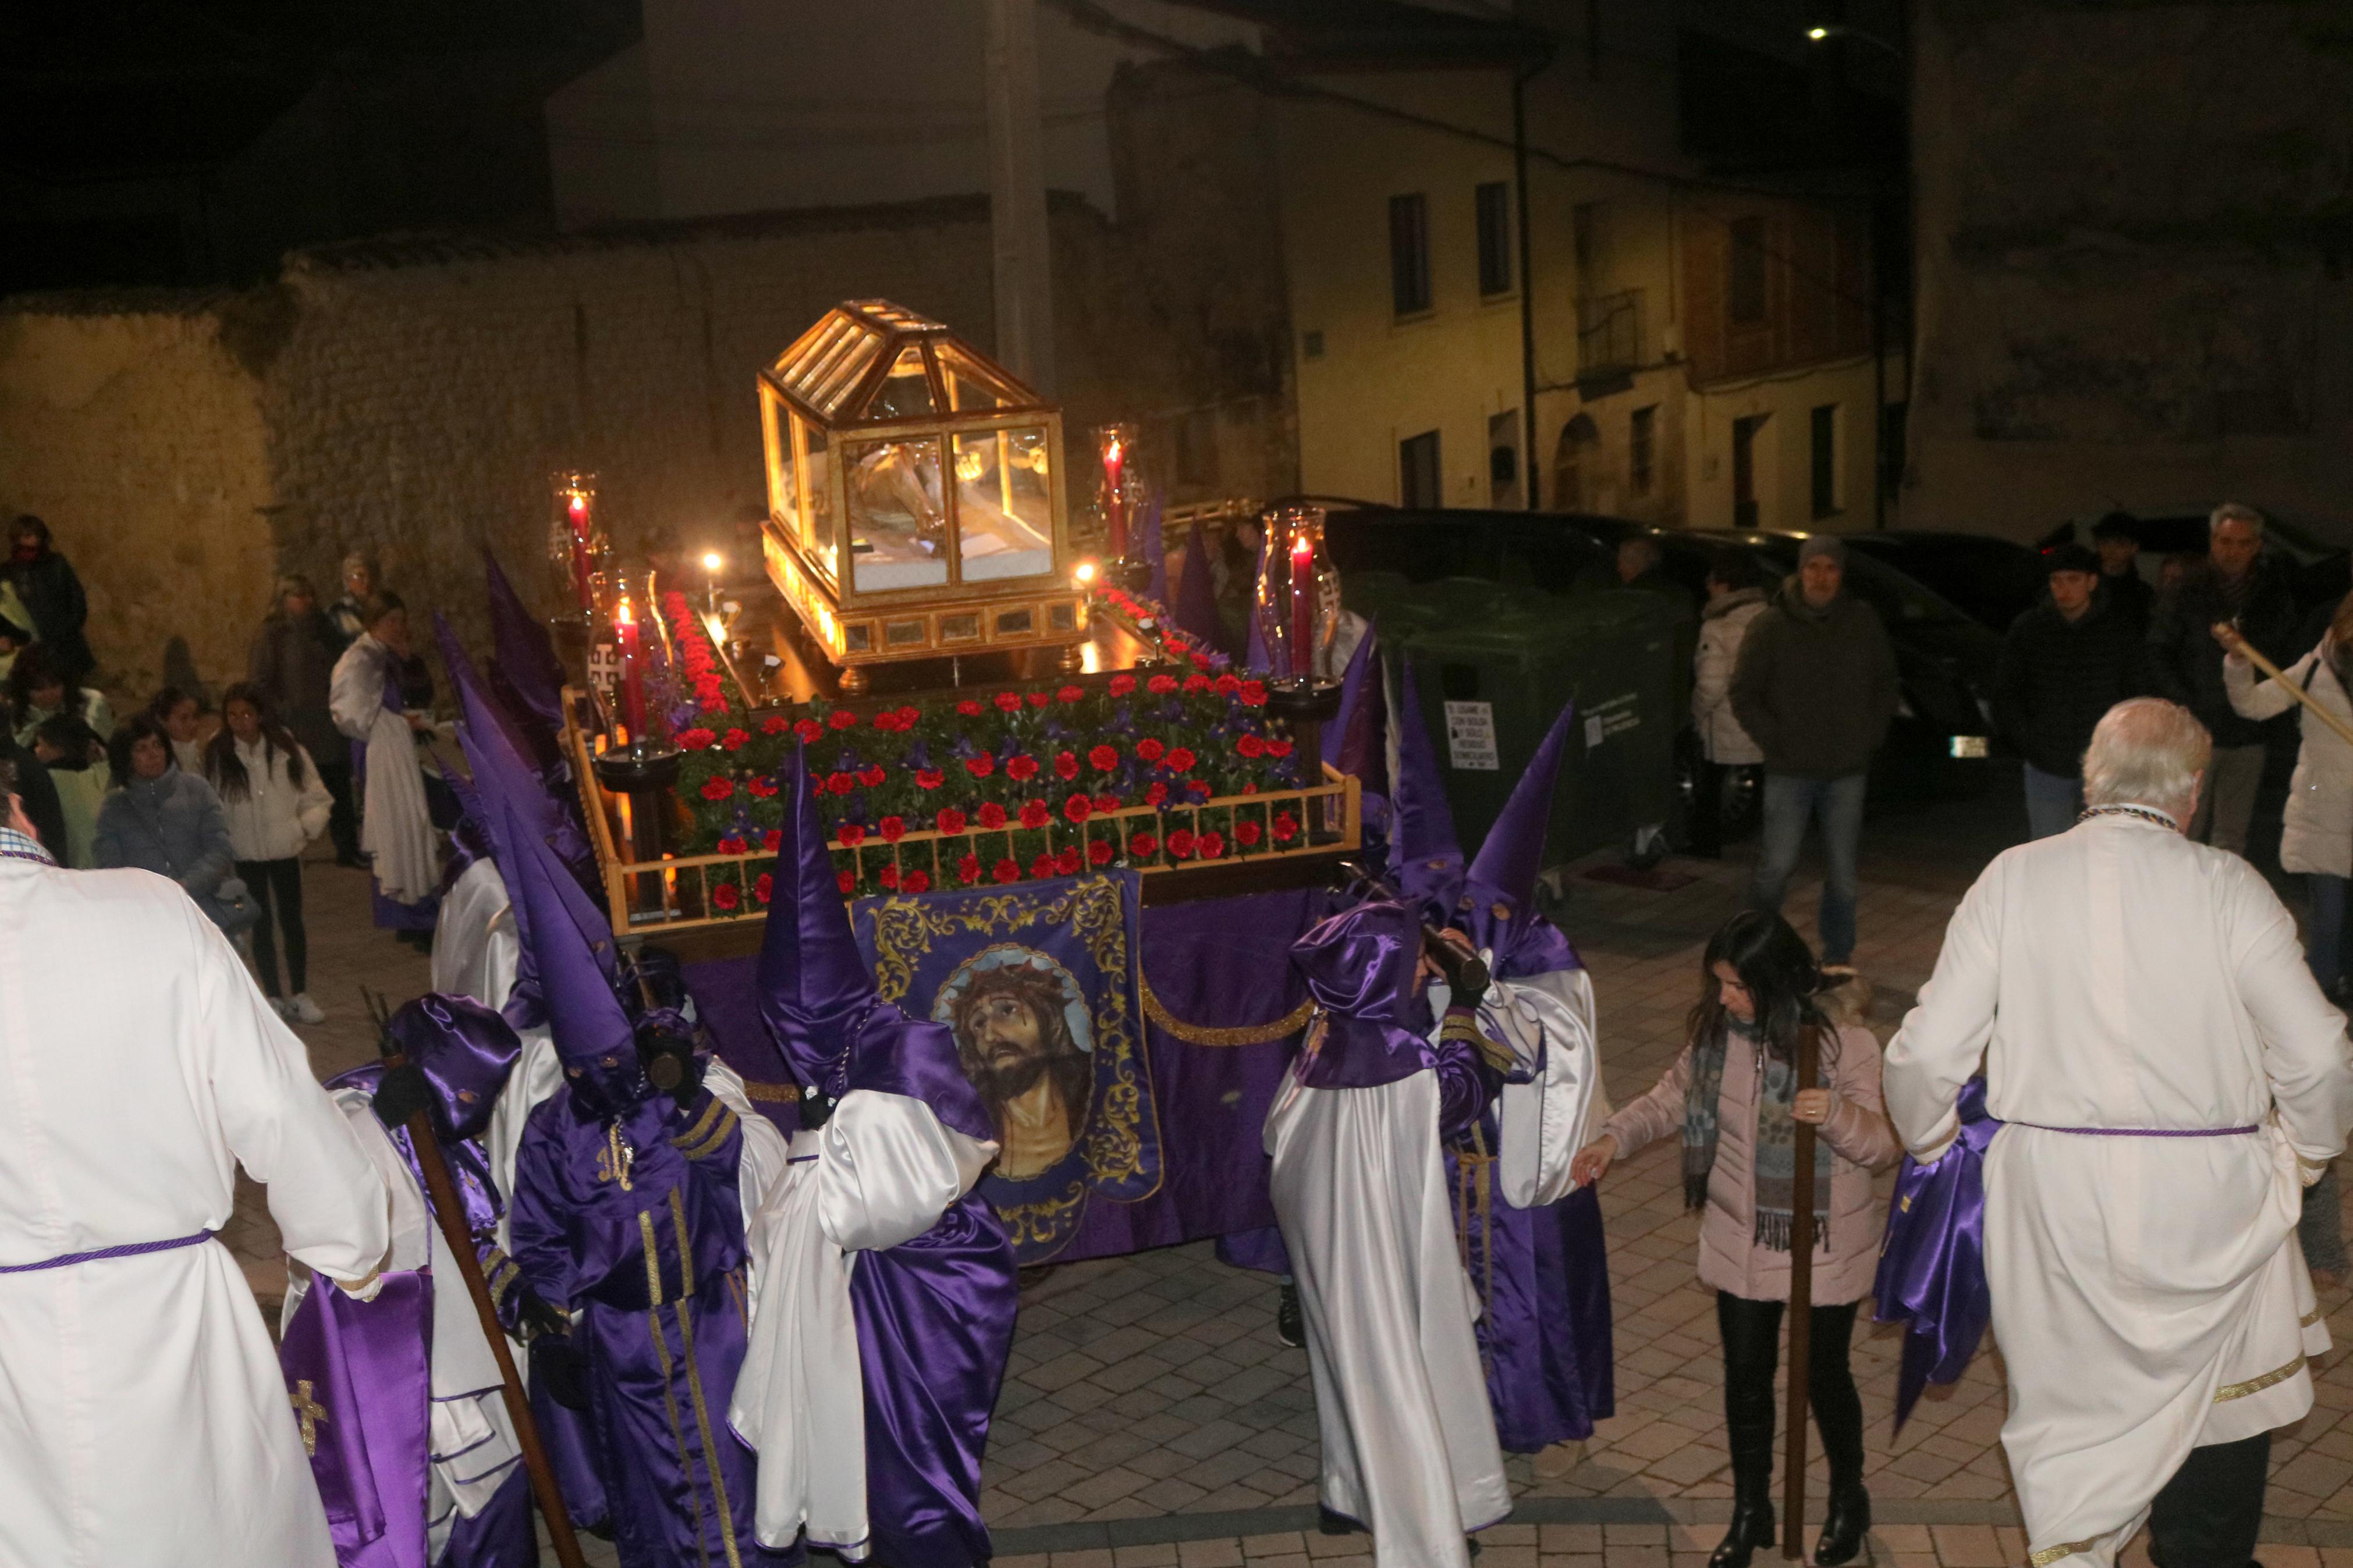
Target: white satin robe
<point>1408,1439</point>
<point>396,828</point>
<point>881,1171</point>
<point>1547,1021</point>
<point>2148,1293</point>
<point>143,1418</point>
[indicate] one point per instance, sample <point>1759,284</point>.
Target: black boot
<point>1844,1526</point>
<point>1289,1327</point>
<point>1752,1496</point>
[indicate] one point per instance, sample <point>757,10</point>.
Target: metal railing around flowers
<point>1221,835</point>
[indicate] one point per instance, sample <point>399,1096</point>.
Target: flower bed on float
<point>1154,770</point>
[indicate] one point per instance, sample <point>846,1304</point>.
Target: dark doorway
<point>1743,470</point>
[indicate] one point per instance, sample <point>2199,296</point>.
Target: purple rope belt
<point>131,1249</point>
<point>2146,1132</point>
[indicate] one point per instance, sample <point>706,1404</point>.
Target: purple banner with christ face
<point>359,1378</point>
<point>1214,1010</point>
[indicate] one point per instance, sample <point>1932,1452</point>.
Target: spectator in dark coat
<point>39,794</point>
<point>2238,583</point>
<point>1815,688</point>
<point>2063,665</point>
<point>2118,539</point>
<point>45,580</point>
<point>292,662</point>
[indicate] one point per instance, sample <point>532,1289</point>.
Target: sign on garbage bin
<point>1471,736</point>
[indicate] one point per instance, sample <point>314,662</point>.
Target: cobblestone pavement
<point>1150,1417</point>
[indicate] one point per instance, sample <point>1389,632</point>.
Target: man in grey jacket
<point>1815,688</point>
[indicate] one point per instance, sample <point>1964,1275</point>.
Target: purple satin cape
<point>501,1536</point>
<point>361,1371</point>
<point>1932,1267</point>
<point>1359,967</point>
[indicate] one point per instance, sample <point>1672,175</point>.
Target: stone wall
<point>2132,280</point>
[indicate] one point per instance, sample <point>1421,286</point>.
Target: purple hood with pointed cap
<point>526,658</point>
<point>1499,887</point>
<point>1425,857</point>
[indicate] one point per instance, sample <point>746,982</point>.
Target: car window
<point>1899,600</point>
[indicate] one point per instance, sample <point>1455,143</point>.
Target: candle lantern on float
<point>1298,609</point>
<point>1119,495</point>
<point>915,496</point>
<point>576,546</point>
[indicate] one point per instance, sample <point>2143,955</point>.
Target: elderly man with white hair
<point>2166,1070</point>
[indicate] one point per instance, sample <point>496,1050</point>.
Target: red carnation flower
<point>1006,871</point>
<point>891,829</point>
<point>731,845</point>
<point>951,822</point>
<point>1250,746</point>
<point>775,724</point>
<point>872,777</point>
<point>1149,750</point>
<point>1278,748</point>
<point>850,834</point>
<point>992,815</point>
<point>1069,861</point>
<point>1180,844</point>
<point>726,896</point>
<point>1285,827</point>
<point>695,740</point>
<point>1121,685</point>
<point>718,788</point>
<point>1253,693</point>
<point>1155,795</point>
<point>1203,661</point>
<point>1038,700</point>
<point>1195,684</point>
<point>968,869</point>
<point>1020,765</point>
<point>761,787</point>
<point>886,720</point>
<point>980,766</point>
<point>1008,701</point>
<point>713,706</point>
<point>969,708</point>
<point>766,887</point>
<point>1106,803</point>
<point>735,740</point>
<point>772,839</point>
<point>1042,868</point>
<point>1249,788</point>
<point>1180,760</point>
<point>1103,759</point>
<point>1035,815</point>
<point>907,717</point>
<point>929,778</point>
<point>844,880</point>
<point>1099,853</point>
<point>1213,844</point>
<point>1077,808</point>
<point>808,729</point>
<point>1069,694</point>
<point>842,719</point>
<point>889,878</point>
<point>1226,685</point>
<point>1066,764</point>
<point>1161,685</point>
<point>915,882</point>
<point>840,784</point>
<point>1142,845</point>
<point>1247,833</point>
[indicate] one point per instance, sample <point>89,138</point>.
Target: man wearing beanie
<point>2064,663</point>
<point>1815,688</point>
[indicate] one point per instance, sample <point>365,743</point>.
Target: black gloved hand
<point>816,1109</point>
<point>403,1092</point>
<point>561,1370</point>
<point>1466,974</point>
<point>671,1065</point>
<point>537,1316</point>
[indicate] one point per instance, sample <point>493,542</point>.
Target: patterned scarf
<point>1773,1153</point>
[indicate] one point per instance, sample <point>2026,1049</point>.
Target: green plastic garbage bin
<point>1490,687</point>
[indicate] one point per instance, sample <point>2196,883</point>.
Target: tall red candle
<point>576,513</point>
<point>1116,499</point>
<point>1302,605</point>
<point>633,666</point>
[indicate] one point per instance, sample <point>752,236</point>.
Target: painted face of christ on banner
<point>1013,1033</point>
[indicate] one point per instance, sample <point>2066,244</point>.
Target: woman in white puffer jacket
<point>1735,597</point>
<point>276,804</point>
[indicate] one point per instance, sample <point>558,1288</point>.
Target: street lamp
<point>1825,34</point>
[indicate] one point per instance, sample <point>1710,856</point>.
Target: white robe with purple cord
<point>2147,1291</point>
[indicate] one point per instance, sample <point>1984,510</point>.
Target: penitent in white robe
<point>1408,1439</point>
<point>143,1417</point>
<point>881,1171</point>
<point>395,826</point>
<point>2149,1294</point>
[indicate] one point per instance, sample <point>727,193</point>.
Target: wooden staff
<point>1801,1309</point>
<point>2241,646</point>
<point>449,1214</point>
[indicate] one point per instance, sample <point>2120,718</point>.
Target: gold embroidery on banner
<point>2050,1554</point>
<point>677,1432</point>
<point>653,1256</point>
<point>2278,1375</point>
<point>310,1412</point>
<point>1282,1028</point>
<point>694,1135</point>
<point>703,1424</point>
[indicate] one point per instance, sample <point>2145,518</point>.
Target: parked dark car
<point>1995,581</point>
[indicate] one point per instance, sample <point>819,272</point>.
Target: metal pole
<point>1520,78</point>
<point>1019,234</point>
<point>1801,1311</point>
<point>450,1216</point>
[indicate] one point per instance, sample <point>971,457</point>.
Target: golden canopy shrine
<point>915,497</point>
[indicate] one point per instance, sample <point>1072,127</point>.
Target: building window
<point>1825,460</point>
<point>1641,449</point>
<point>1746,287</point>
<point>1409,254</point>
<point>1197,447</point>
<point>1420,483</point>
<point>1494,240</point>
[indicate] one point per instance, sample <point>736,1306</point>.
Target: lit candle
<point>633,678</point>
<point>576,513</point>
<point>1115,498</point>
<point>1302,605</point>
<point>710,565</point>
